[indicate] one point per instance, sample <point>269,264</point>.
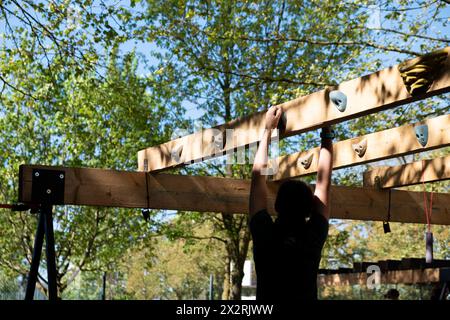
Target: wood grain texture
<point>98,187</point>
<point>365,95</point>
<point>390,277</point>
<point>409,174</point>
<point>381,145</point>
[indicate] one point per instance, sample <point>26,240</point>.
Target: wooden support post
<point>98,187</point>
<point>380,145</point>
<point>372,93</point>
<point>409,174</point>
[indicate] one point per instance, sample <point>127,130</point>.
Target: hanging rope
<point>146,211</point>
<point>428,210</point>
<point>386,226</point>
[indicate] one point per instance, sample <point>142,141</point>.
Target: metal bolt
<point>49,191</point>
<point>36,174</point>
<point>61,176</point>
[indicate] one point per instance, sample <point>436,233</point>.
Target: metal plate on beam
<point>48,186</point>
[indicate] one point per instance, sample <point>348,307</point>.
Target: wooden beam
<point>431,275</point>
<point>381,145</point>
<point>371,93</point>
<point>98,187</point>
<point>409,174</point>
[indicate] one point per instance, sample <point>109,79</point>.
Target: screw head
<point>61,176</point>
<point>36,174</point>
<point>49,191</point>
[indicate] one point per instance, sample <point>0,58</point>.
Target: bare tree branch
<point>17,89</point>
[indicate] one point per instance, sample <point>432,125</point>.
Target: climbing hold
<point>360,148</point>
<point>282,123</point>
<point>429,247</point>
<point>339,99</point>
<point>176,153</point>
<point>422,134</point>
<point>418,74</point>
<point>377,182</point>
<point>219,140</point>
<point>306,161</point>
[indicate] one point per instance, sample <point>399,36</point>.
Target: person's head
<point>294,202</point>
<point>392,294</point>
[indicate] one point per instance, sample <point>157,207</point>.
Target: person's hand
<point>273,115</point>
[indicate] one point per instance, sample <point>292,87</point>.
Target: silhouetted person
<point>287,252</point>
<point>392,294</point>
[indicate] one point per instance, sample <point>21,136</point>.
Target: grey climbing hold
<point>176,153</point>
<point>219,140</point>
<point>422,134</point>
<point>360,148</point>
<point>339,99</point>
<point>306,160</point>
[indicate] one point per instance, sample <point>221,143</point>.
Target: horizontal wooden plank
<point>381,145</point>
<point>409,174</point>
<point>98,187</point>
<point>371,93</point>
<point>390,277</point>
<point>92,187</point>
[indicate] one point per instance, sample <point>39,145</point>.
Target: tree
<point>240,57</point>
<point>175,269</point>
<point>81,120</point>
<point>65,84</point>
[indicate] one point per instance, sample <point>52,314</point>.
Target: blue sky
<point>388,59</point>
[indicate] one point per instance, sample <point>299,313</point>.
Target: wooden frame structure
<point>415,276</point>
<point>42,186</point>
<point>369,94</point>
<point>379,91</point>
<point>99,187</point>
<point>405,271</point>
<point>380,145</point>
<point>409,174</point>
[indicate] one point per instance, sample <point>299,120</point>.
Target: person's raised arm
<point>258,188</point>
<point>325,166</point>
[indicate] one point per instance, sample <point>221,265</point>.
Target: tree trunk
<point>236,282</point>
<point>236,230</point>
<point>226,281</point>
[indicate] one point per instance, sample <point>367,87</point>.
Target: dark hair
<point>294,202</point>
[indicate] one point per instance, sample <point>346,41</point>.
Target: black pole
<point>36,258</point>
<point>104,286</point>
<point>445,285</point>
<point>50,251</point>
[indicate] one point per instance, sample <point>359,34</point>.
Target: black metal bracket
<point>47,189</point>
<point>48,186</point>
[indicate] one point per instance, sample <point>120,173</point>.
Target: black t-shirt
<point>286,262</point>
